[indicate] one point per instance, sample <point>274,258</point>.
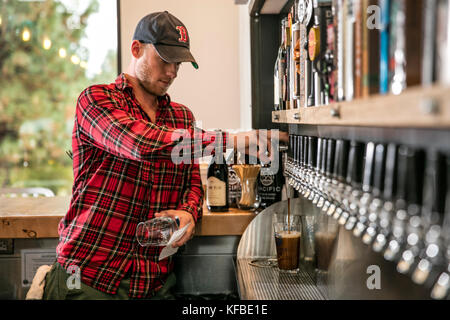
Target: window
<point>50,51</point>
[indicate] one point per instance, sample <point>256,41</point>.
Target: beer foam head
<point>287,234</point>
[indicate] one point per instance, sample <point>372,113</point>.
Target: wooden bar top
<point>39,218</point>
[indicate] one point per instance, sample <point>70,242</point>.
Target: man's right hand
<point>258,143</point>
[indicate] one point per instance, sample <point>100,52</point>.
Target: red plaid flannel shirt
<point>123,174</point>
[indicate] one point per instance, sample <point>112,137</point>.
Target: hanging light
<point>47,43</point>
<point>26,34</point>
<point>75,59</point>
<point>62,53</point>
<point>0,20</point>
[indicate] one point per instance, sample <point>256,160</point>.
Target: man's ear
<point>137,49</point>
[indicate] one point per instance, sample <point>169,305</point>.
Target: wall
<point>219,91</point>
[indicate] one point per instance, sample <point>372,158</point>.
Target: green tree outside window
<point>43,69</point>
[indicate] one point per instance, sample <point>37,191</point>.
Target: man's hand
<point>258,143</point>
<point>185,218</point>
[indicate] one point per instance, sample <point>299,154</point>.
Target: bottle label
<point>216,193</point>
<point>269,189</point>
<point>234,185</point>
<point>267,180</point>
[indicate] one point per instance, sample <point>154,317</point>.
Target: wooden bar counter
<point>39,218</point>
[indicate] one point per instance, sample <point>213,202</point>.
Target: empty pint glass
<point>156,232</point>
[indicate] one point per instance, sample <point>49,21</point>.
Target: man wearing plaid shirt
<point>123,137</point>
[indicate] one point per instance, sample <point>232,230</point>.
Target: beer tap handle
<point>291,146</point>
<point>342,164</point>
<point>389,186</point>
<point>441,287</point>
<point>294,149</point>
<point>402,176</point>
<point>323,163</point>
<point>312,158</point>
<point>379,170</point>
<point>337,156</point>
<point>365,177</point>
<point>343,160</point>
<point>446,223</point>
<point>305,165</point>
<point>320,142</point>
<point>300,150</point>
<point>367,182</point>
<point>414,180</point>
<point>312,152</point>
<point>305,152</point>
<point>390,176</point>
<point>399,216</point>
<point>373,183</point>
<point>353,179</point>
<point>434,190</point>
<point>331,149</point>
<point>335,177</point>
<point>355,164</point>
<point>411,231</point>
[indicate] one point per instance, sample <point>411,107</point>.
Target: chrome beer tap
<point>352,189</point>
<point>332,186</point>
<point>317,175</point>
<point>311,171</point>
<point>363,205</point>
<point>389,191</point>
<point>409,191</point>
<point>322,173</point>
<point>296,172</point>
<point>303,172</point>
<point>441,286</point>
<point>428,252</point>
<point>342,152</point>
<point>331,150</point>
<point>374,201</point>
<point>290,164</point>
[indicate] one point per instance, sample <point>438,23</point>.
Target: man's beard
<point>143,77</point>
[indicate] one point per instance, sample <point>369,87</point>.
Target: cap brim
<point>174,54</point>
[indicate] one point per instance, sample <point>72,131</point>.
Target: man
<point>123,173</point>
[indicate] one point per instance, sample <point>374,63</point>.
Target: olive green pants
<point>56,288</point>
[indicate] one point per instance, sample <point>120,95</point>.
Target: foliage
<point>39,88</point>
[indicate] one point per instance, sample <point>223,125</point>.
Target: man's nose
<point>172,70</point>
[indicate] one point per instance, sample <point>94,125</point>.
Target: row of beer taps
<point>396,198</point>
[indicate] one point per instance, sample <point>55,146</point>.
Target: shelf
<point>415,108</point>
<point>257,7</point>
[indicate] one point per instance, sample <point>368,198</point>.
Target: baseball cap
<point>168,35</point>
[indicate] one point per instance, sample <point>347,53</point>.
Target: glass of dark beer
<point>287,241</point>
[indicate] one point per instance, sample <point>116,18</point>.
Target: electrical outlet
<point>6,246</point>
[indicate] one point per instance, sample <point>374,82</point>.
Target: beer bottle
<point>270,183</point>
<point>217,184</point>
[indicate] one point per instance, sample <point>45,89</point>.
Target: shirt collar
<point>122,84</point>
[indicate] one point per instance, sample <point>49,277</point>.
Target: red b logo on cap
<point>183,33</point>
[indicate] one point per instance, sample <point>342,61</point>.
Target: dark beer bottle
<point>270,183</point>
<point>217,184</point>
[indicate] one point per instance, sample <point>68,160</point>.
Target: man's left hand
<point>185,218</point>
